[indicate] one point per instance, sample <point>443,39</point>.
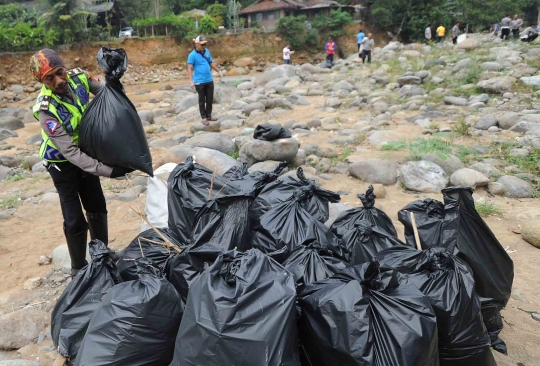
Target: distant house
<point>267,12</point>
<point>197,13</point>
<point>106,10</point>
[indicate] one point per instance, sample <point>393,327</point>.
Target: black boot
<point>97,224</point>
<point>77,249</point>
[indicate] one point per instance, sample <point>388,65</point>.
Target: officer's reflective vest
<point>330,50</point>
<point>67,114</point>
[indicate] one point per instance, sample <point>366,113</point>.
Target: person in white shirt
<point>427,33</point>
<point>287,54</point>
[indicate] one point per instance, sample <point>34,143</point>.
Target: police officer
<point>59,108</point>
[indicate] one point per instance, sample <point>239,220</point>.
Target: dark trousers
<point>516,32</point>
<point>366,54</point>
<point>454,40</point>
<point>75,186</point>
<point>530,38</point>
<point>440,38</point>
<point>359,45</point>
<point>505,32</point>
<point>330,58</point>
<point>287,62</point>
<point>206,99</point>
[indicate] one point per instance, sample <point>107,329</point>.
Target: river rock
<point>254,151</point>
<point>423,176</point>
<point>146,116</point>
<point>250,108</point>
<point>531,232</point>
<point>409,80</point>
<point>449,165</point>
<point>375,171</point>
<point>408,91</point>
<point>486,121</point>
<point>310,68</point>
<point>296,99</point>
<point>282,71</point>
<point>526,127</point>
<point>211,127</point>
<point>246,85</point>
<point>21,327</point>
<point>343,85</point>
<point>212,159</point>
<point>11,123</point>
<point>508,120</point>
<point>244,61</point>
<point>469,44</point>
<point>332,102</point>
<point>213,140</point>
<point>226,94</point>
<point>492,66</point>
<point>16,362</point>
<point>486,169</point>
<point>468,178</point>
<point>515,187</point>
<point>533,81</point>
<point>496,189</point>
<point>266,166</point>
<point>455,101</point>
<point>497,85</point>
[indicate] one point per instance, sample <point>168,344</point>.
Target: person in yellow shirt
<point>441,32</point>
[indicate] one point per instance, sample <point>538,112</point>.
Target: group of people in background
<point>441,33</point>
<point>365,45</point>
<point>511,26</point>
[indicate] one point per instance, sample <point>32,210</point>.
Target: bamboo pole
<point>415,229</point>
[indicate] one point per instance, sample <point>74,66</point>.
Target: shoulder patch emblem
<point>52,125</point>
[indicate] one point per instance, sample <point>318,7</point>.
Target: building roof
<point>268,5</point>
<point>99,8</point>
<point>198,12</point>
<point>321,4</point>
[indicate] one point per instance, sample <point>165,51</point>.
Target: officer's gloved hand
<point>120,172</point>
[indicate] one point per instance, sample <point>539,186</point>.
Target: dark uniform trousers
<point>75,186</point>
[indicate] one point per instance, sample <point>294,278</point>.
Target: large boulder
<point>469,44</point>
<point>423,176</point>
<point>11,123</point>
<point>526,127</point>
<point>468,178</point>
<point>486,121</point>
<point>508,120</point>
<point>515,187</point>
<point>212,159</point>
<point>533,81</point>
<point>226,94</point>
<point>375,171</point>
<point>265,166</point>
<point>21,327</point>
<point>310,68</point>
<point>187,102</point>
<point>282,71</point>
<point>213,140</point>
<point>244,62</point>
<point>343,85</point>
<point>498,85</point>
<point>255,151</point>
<point>450,163</point>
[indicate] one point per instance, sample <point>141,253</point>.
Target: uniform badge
<point>52,125</point>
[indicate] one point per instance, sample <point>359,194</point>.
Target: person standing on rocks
<point>330,48</point>
<point>441,33</point>
<point>496,29</point>
<point>506,23</point>
<point>287,55</point>
<point>427,33</point>
<point>455,33</point>
<point>359,38</point>
<point>59,108</point>
<point>516,23</point>
<point>367,46</point>
<point>200,65</point>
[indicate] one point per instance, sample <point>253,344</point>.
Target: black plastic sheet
<point>240,311</point>
<point>111,130</point>
<point>190,186</point>
<point>364,240</point>
<point>252,183</point>
<point>148,243</point>
<point>458,227</point>
<point>367,315</point>
<point>289,225</point>
<point>136,323</point>
<point>448,283</point>
<point>269,132</point>
<point>282,189</point>
<point>81,298</point>
<point>346,220</point>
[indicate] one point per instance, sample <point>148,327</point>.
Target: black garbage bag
<point>190,186</point>
<point>80,299</point>
<point>346,220</point>
<point>111,130</point>
<point>289,225</point>
<point>367,315</point>
<point>240,311</point>
<point>459,228</point>
<point>448,283</point>
<point>136,323</point>
<point>365,240</point>
<point>147,242</point>
<point>269,132</point>
<point>311,263</point>
<point>282,189</point>
<point>184,268</point>
<point>252,183</point>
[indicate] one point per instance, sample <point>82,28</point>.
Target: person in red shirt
<point>330,48</point>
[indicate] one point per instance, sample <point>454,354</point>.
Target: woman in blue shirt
<point>200,65</point>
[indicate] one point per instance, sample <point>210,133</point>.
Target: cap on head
<point>200,40</point>
<point>43,62</point>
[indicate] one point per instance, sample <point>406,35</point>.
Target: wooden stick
<point>140,247</point>
<point>167,246</point>
<point>415,229</point>
<point>143,216</point>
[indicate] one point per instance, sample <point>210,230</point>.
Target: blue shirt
<point>360,37</point>
<point>202,72</point>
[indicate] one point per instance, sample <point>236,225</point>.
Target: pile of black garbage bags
<point>247,273</point>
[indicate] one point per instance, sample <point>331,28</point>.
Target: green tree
<point>208,25</point>
<point>332,25</point>
<point>293,30</point>
<point>217,10</point>
<point>136,9</point>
